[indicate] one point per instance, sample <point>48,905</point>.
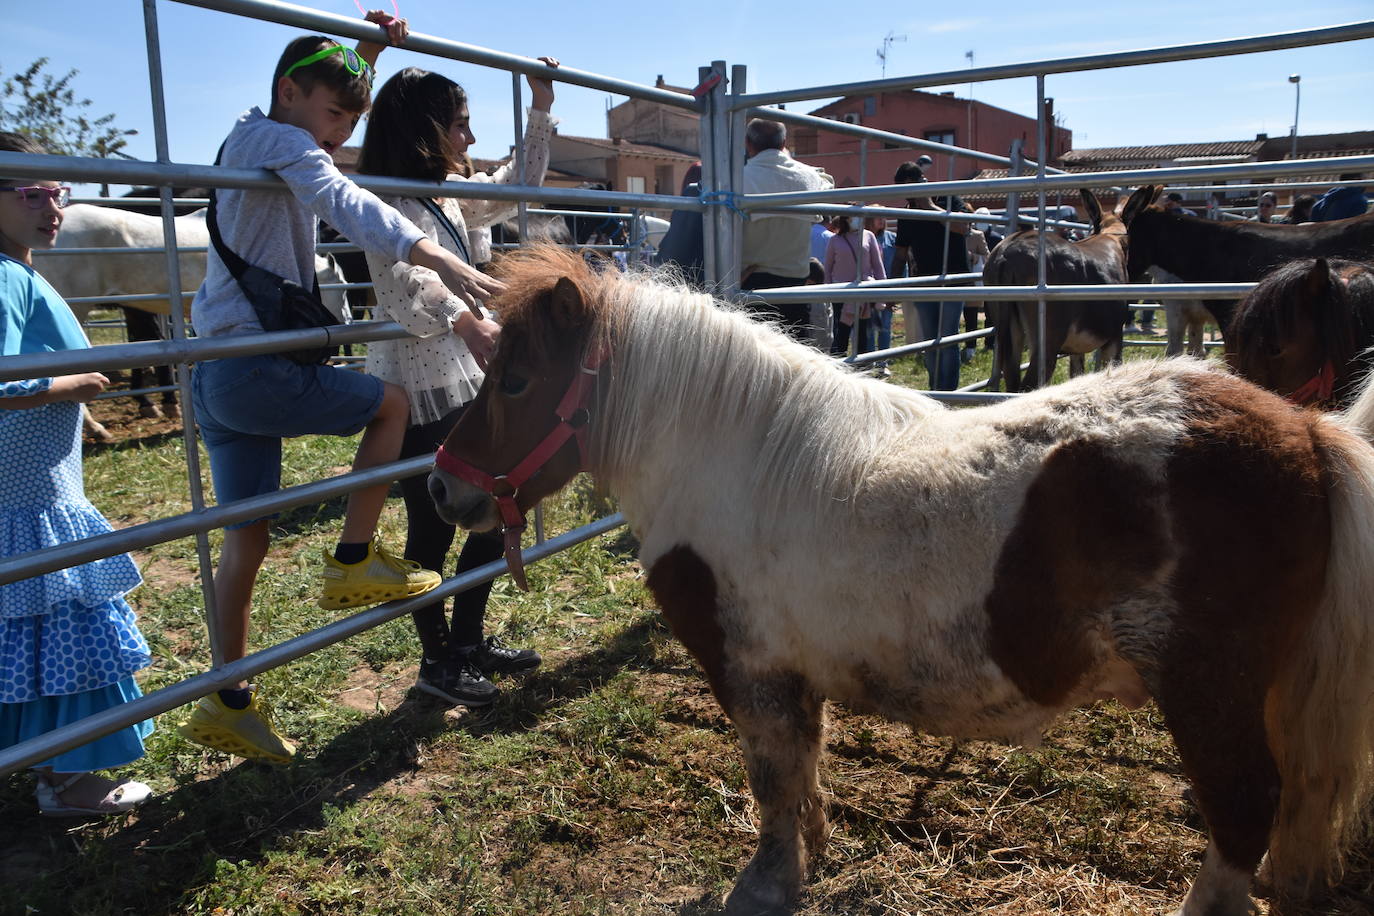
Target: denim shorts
<point>245,406</point>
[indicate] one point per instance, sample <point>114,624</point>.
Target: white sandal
<point>123,797</point>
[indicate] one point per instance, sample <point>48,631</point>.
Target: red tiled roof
<point>1165,151</point>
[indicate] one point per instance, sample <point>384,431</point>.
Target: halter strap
<point>573,417</point>
<point>1319,388</point>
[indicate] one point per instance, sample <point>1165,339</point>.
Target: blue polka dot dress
<point>68,640</point>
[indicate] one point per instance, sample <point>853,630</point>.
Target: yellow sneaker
<point>248,732</point>
<point>376,578</point>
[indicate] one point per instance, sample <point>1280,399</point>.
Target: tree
<point>45,107</point>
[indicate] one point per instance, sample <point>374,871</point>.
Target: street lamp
<point>1296,80</point>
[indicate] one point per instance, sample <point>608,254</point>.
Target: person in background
<point>1173,203</point>
<point>776,248</point>
<point>1264,208</point>
<point>69,645</point>
<point>852,254</point>
<point>1301,211</point>
<point>881,323</point>
<point>923,250</point>
<point>1341,202</point>
<point>684,244</point>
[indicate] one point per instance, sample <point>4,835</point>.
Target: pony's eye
<point>512,384</point>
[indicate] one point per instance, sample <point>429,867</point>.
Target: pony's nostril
<point>437,491</point>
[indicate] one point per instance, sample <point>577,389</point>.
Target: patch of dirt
<point>165,574</point>
<point>120,418</point>
<point>377,692</point>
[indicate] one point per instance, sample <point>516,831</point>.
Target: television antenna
<point>884,50</point>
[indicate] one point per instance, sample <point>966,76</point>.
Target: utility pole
<point>968,138</point>
<point>883,51</point>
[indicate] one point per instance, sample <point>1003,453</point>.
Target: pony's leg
<point>1077,365</point>
<point>93,428</point>
<point>1216,714</point>
<point>1174,323</point>
<point>779,719</point>
<point>1196,325</point>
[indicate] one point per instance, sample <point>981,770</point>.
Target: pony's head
<point>1140,252</point>
<point>1301,329</point>
<point>512,448</point>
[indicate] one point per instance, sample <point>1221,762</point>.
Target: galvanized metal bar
<point>1040,265</point>
<point>874,133</point>
<point>728,242</point>
<point>521,209</point>
<point>1159,291</point>
<point>710,184</point>
<point>196,349</point>
<point>1302,38</point>
<point>36,562</point>
<point>1073,182</point>
<point>28,753</point>
<point>194,482</point>
<point>353,27</point>
<point>736,123</point>
<point>118,171</point>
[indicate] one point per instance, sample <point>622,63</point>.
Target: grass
<point>608,781</point>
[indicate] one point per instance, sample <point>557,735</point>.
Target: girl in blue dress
<point>68,642</point>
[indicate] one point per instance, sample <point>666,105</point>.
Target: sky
<point>217,65</point>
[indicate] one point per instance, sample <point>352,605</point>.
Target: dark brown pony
<point>1305,331</point>
<point>811,534</point>
<point>1201,250</point>
<point>1074,327</point>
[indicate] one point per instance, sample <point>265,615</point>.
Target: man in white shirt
<point>777,247</point>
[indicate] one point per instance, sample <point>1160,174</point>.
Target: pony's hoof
<point>101,434</point>
<point>171,411</point>
<point>756,898</point>
<point>150,411</point>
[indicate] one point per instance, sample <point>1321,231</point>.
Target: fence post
<point>1045,372</point>
<point>710,182</point>
<point>176,304</point>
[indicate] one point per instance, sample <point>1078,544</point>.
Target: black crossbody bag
<point>280,304</point>
<point>442,218</point>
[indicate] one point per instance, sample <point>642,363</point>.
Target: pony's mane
<point>684,362</point>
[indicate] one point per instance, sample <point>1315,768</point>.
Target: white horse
<point>811,534</point>
<point>115,274</point>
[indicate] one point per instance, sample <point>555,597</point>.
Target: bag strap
<point>236,265</point>
<point>442,219</point>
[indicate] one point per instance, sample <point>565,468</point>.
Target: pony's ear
<point>1090,203</point>
<point>1142,198</point>
<point>566,305</point>
<point>1316,286</point>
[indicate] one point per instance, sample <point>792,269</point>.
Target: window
<point>634,184</point>
<point>804,143</point>
<point>945,136</point>
<point>870,105</point>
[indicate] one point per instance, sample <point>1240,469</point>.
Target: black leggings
<point>428,540</point>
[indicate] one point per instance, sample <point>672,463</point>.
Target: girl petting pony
<point>419,129</point>
<point>68,642</point>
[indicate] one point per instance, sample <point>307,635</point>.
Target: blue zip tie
<point>724,199</point>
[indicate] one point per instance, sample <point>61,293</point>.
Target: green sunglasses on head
<point>352,62</point>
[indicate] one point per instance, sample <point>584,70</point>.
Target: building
<point>941,117</point>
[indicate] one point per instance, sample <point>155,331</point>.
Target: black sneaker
<point>455,681</point>
<point>491,656</point>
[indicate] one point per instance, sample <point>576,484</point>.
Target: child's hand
<point>541,90</point>
<point>468,283</point>
<point>80,388</point>
<point>480,335</point>
<point>396,32</point>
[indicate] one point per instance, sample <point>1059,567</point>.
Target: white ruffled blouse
<point>434,364</point>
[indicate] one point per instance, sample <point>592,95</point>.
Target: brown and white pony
<point>963,599</point>
<point>1202,250</point>
<point>1075,327</point>
<point>1306,330</point>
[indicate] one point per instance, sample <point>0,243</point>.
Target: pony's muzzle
<point>460,503</point>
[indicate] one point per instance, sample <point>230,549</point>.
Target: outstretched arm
<point>396,32</point>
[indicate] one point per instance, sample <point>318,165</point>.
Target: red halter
<point>1319,387</point>
<point>573,416</point>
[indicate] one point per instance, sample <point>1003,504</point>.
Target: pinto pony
<point>1305,331</point>
<point>1073,327</point>
<point>962,598</point>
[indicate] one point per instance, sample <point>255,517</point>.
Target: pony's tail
<point>1321,710</point>
<point>1359,416</point>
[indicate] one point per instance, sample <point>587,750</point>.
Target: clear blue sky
<point>216,65</point>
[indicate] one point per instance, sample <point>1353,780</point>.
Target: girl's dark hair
<point>355,92</point>
<point>11,142</point>
<point>407,132</point>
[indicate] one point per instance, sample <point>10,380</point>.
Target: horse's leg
<point>166,377</point>
<point>1175,322</point>
<point>1196,325</point>
<point>138,325</point>
<point>1215,710</point>
<point>93,428</point>
<point>779,719</point>
<point>1077,365</point>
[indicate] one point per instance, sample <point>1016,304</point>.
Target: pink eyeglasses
<point>36,197</point>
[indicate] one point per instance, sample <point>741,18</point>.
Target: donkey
<point>962,599</point>
<point>1306,331</point>
<point>1074,327</point>
<point>1201,250</point>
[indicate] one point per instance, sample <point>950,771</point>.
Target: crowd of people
<point>69,642</point>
